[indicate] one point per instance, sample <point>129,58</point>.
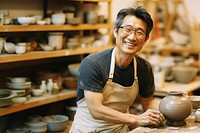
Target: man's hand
<point>150,118</point>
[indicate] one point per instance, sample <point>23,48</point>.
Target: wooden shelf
<point>174,86</point>
<point>169,51</point>
<point>93,0</point>
<point>35,28</point>
<point>7,58</point>
<point>38,101</point>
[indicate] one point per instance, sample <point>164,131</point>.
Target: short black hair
<point>139,12</point>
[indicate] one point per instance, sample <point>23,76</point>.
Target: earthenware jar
<point>176,107</point>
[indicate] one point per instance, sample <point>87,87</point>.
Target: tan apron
<point>116,97</point>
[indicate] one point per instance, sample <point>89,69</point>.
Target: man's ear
<point>115,32</point>
<point>147,38</point>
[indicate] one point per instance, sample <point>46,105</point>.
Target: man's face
<point>131,36</point>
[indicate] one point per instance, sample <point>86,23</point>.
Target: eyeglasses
<point>129,30</point>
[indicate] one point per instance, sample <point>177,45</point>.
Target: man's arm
<point>149,103</point>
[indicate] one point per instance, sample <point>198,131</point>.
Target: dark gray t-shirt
<point>94,72</point>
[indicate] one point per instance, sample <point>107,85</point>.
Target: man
<point>109,81</point>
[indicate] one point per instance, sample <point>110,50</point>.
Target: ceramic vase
<point>176,108</point>
<point>50,86</point>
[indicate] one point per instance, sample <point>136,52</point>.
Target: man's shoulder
<point>100,54</point>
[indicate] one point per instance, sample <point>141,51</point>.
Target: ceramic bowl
<point>19,92</point>
<point>5,93</point>
<point>37,127</point>
<point>25,20</point>
<point>18,130</point>
<point>41,22</point>
<point>37,92</point>
<point>73,69</point>
<point>47,47</point>
<point>5,102</point>
<point>18,80</point>
<point>74,21</point>
<point>184,74</point>
<point>9,47</point>
<point>19,86</point>
<point>19,100</point>
<point>70,82</point>
<point>58,18</point>
<point>56,123</point>
<point>195,101</point>
<point>72,45</point>
<point>20,48</point>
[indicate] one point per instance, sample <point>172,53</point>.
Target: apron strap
<point>112,66</point>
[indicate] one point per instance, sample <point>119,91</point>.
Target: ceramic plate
<point>18,86</point>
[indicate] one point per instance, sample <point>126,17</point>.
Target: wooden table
<point>190,127</point>
<point>173,86</point>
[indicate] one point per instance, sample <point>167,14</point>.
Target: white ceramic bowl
<point>9,47</point>
<point>20,49</point>
<point>73,69</point>
<point>72,45</point>
<point>19,92</point>
<point>19,100</point>
<point>47,47</point>
<point>25,20</point>
<point>184,74</point>
<point>41,22</point>
<point>37,92</point>
<point>58,18</point>
<point>56,123</point>
<point>18,80</point>
<point>37,127</point>
<point>5,93</point>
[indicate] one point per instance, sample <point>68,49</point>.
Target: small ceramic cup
<point>20,48</point>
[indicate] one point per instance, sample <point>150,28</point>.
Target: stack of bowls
<point>6,96</point>
<point>73,43</point>
<point>19,85</point>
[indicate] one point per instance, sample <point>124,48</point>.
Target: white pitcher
<point>56,39</point>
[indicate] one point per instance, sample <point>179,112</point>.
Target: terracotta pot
<point>176,108</point>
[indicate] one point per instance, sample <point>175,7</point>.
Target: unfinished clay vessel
<point>176,108</point>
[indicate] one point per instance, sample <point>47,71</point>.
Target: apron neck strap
<point>112,66</point>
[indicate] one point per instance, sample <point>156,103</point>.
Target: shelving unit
<point>37,28</point>
<point>7,58</point>
<point>44,55</point>
<point>38,101</point>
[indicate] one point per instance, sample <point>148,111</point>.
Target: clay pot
<point>176,108</point>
